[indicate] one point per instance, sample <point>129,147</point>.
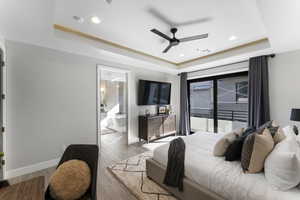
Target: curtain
<point>259,105</point>
<point>184,121</point>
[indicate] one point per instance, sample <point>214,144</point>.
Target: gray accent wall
<point>52,102</point>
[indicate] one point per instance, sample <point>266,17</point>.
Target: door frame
<point>98,98</point>
<point>3,106</point>
<point>214,79</point>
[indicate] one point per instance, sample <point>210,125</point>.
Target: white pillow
<point>282,166</point>
<point>289,132</point>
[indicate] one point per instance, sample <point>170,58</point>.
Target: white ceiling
<point>129,23</point>
<point>281,18</point>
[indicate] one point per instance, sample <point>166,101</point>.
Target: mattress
<point>227,179</point>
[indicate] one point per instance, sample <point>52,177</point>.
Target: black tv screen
<point>154,93</point>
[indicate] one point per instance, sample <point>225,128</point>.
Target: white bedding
<point>224,178</point>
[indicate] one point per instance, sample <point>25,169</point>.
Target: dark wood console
<point>156,126</point>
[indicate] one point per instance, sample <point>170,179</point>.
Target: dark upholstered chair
<point>87,153</point>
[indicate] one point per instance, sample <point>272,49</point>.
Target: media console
<point>156,126</point>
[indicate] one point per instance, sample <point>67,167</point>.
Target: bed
<point>212,178</point>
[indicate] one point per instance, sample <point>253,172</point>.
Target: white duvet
<point>224,178</point>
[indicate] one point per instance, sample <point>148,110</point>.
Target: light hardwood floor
<point>113,149</point>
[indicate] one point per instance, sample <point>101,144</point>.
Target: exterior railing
<point>230,115</point>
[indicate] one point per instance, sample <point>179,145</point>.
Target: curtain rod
<point>199,70</point>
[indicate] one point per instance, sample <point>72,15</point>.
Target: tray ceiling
<point>128,23</point>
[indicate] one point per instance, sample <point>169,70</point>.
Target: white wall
<point>52,102</point>
<point>284,71</point>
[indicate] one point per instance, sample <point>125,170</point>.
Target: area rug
<point>132,174</point>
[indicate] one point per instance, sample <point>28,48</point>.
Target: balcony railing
<point>230,115</point>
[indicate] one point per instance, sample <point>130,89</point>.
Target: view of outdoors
<point>231,105</point>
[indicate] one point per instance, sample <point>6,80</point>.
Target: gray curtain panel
<point>259,103</point>
<point>184,122</point>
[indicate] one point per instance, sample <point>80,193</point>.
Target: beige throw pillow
<point>222,145</point>
<point>70,181</point>
<point>256,148</point>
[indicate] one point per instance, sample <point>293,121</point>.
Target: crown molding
<point>98,39</point>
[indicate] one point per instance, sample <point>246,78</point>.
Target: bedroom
<point>52,94</point>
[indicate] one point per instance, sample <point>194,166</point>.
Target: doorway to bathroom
<point>112,92</point>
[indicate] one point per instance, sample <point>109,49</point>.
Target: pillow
<point>279,136</point>
<point>256,148</point>
<point>222,145</point>
<point>265,125</point>
<point>289,132</point>
<point>282,167</point>
<point>234,151</point>
<point>276,132</point>
<point>70,181</point>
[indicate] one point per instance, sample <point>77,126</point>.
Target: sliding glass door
<point>202,106</point>
<point>219,103</point>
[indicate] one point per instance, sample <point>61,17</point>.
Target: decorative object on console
<point>162,110</point>
<point>147,112</point>
<point>295,116</point>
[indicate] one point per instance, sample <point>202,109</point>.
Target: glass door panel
<point>232,103</point>
<point>202,106</point>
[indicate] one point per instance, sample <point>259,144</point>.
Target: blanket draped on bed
<point>175,167</point>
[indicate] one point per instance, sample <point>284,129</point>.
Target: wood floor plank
<point>113,149</point>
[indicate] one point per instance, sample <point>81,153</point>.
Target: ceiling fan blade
<point>161,34</point>
<point>196,37</point>
<point>168,48</point>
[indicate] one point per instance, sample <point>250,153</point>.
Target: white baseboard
<point>30,168</point>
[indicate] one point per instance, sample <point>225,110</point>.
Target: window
<point>220,103</point>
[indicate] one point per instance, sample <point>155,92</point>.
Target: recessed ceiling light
<point>78,19</point>
<point>181,55</point>
<point>233,37</point>
<point>95,20</point>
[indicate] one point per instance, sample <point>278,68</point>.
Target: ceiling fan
<point>174,41</point>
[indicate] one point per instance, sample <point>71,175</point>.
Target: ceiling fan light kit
<point>174,41</point>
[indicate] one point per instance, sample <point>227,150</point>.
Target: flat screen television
<point>154,93</point>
